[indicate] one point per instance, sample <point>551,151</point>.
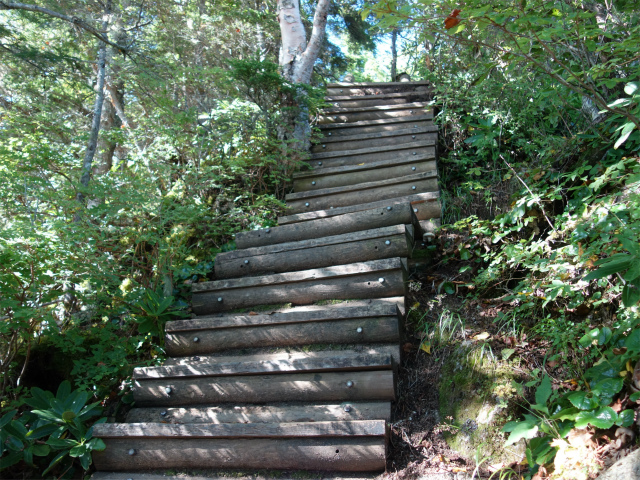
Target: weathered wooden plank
<point>336,454</point>
<point>323,156</point>
<point>362,174</point>
<point>373,96</point>
<point>367,100</point>
<point>291,387</point>
<point>375,108</point>
<point>326,214</point>
<point>402,129</point>
<point>371,126</point>
<point>293,315</point>
<point>426,138</point>
<point>411,84</point>
<point>328,198</point>
<point>277,413</point>
<point>385,350</point>
<point>337,363</point>
<point>317,253</point>
<point>353,428</point>
<point>401,153</point>
<point>363,330</point>
<point>351,117</point>
<point>125,475</point>
<point>374,217</point>
<point>315,170</point>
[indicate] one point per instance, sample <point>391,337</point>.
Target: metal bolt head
<point>329,134</point>
<point>313,183</point>
<point>359,329</point>
<point>388,208</point>
<point>163,413</point>
<point>413,168</point>
<point>219,299</point>
<point>324,146</point>
<point>387,242</point>
<point>381,280</point>
<point>340,90</point>
<point>132,451</point>
<point>415,210</point>
<point>414,153</point>
<point>306,204</point>
<point>195,359</point>
<point>415,126</point>
<point>347,408</point>
<point>413,187</point>
<point>246,262</point>
<point>413,136</point>
<point>268,230</point>
<point>196,339</point>
<point>320,163</point>
<point>168,390</point>
<point>349,384</point>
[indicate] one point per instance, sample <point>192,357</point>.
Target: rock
<point>627,468</point>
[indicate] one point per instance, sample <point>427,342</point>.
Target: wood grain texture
<point>374,217</point>
<point>369,150</point>
<point>373,126</point>
<point>278,413</point>
<point>332,110</point>
<point>372,330</point>
<point>295,387</point>
<point>321,179</point>
<point>383,99</point>
<point>404,152</point>
<point>364,193</point>
<point>336,454</point>
<point>382,141</point>
<point>343,311</point>
<point>351,117</point>
<point>336,363</point>
<point>385,204</point>
<point>402,129</point>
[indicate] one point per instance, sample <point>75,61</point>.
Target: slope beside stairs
<point>250,385</point>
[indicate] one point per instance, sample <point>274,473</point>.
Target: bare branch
<point>73,20</point>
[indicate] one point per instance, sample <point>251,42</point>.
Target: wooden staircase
<point>254,385</point>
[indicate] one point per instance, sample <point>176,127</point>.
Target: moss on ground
<point>476,400</point>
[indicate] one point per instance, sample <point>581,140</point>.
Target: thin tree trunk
<point>394,55</point>
<point>87,163</point>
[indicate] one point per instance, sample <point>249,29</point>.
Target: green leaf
<point>68,416</point>
<point>11,459</point>
<point>631,293</point>
<point>7,418</point>
<point>632,342</point>
<point>63,390</point>
<point>631,88</point>
<point>41,450</point>
<point>583,400</point>
<point>566,414</point>
<point>626,418</point>
<point>55,461</point>
<point>635,397</point>
<point>526,429</point>
<point>614,266</point>
<point>543,392</point>
<point>44,430</point>
<point>602,418</point>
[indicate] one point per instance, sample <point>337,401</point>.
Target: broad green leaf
<point>7,418</point>
<point>603,418</point>
<point>44,430</point>
<point>55,461</point>
<point>521,429</point>
<point>41,450</point>
<point>614,266</point>
<point>566,414</point>
<point>543,392</point>
<point>11,459</point>
<point>63,390</point>
<point>626,418</point>
<point>68,416</point>
<point>583,400</point>
<point>631,293</point>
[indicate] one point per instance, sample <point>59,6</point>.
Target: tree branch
<point>310,55</point>
<point>74,20</point>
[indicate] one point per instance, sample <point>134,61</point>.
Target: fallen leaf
<point>253,313</point>
<point>458,469</point>
<point>482,336</point>
<point>408,347</point>
<point>426,347</point>
<point>452,20</point>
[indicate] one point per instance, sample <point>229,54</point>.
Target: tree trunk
<point>296,66</point>
<point>394,55</point>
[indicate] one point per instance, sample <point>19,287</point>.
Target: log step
<point>358,280</point>
<point>381,99</point>
<point>401,137</point>
<point>401,129</point>
<point>376,88</point>
<point>328,198</point>
<point>340,446</point>
<point>374,217</point>
<point>386,242</point>
<point>204,335</point>
<point>424,205</point>
<point>402,153</point>
<point>350,115</point>
<point>373,126</point>
<point>320,178</point>
<point>275,413</point>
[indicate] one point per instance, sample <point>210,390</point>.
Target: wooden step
<point>373,126</point>
<point>203,335</point>
<point>328,198</point>
<point>424,204</point>
<point>374,244</point>
<point>400,138</point>
<point>375,217</point>
<point>400,129</point>
<point>287,354</point>
<point>274,413</point>
<point>330,177</point>
<point>315,385</point>
<point>339,446</point>
<point>350,115</point>
<point>373,88</point>
<point>358,280</point>
<point>402,153</point>
<point>380,99</point>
